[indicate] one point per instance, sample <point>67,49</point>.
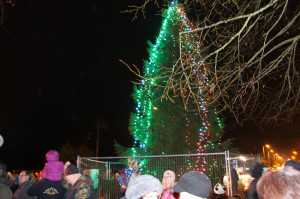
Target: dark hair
<point>27,173</point>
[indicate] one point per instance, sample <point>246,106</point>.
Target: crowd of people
<point>57,181</point>
<point>60,180</point>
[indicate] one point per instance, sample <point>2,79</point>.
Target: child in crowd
<point>167,183</point>
<point>53,167</point>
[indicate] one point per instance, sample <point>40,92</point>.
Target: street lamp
<point>264,153</point>
<point>295,153</point>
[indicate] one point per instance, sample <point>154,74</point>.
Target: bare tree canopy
<point>249,50</point>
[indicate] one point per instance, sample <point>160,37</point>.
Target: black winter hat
<point>194,183</point>
<point>71,169</point>
<point>256,170</point>
<point>292,163</point>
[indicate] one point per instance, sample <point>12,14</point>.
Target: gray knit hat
<point>142,185</point>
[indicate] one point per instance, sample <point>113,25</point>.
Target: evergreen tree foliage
<point>160,124</point>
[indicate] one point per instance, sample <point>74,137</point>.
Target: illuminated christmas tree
<point>164,123</point>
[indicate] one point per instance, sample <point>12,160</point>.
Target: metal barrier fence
<point>104,170</point>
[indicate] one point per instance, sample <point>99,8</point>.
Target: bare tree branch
<point>249,52</point>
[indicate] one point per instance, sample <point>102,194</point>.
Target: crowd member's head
<point>284,184</point>
<point>144,187</point>
<point>72,174</point>
<point>53,167</point>
<point>10,176</point>
<point>24,177</point>
<point>133,163</point>
<point>3,169</point>
<point>193,185</point>
<point>292,163</point>
<point>218,192</point>
<point>168,179</point>
<point>256,170</point>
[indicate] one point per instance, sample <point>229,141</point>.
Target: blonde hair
<point>131,163</point>
<point>169,173</point>
<point>284,184</point>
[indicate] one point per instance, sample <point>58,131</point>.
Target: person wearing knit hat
<point>80,186</point>
<point>53,167</point>
<point>193,185</point>
<point>49,185</point>
<point>143,186</point>
<point>292,163</point>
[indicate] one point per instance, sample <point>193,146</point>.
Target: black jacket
<point>46,189</point>
<point>21,192</point>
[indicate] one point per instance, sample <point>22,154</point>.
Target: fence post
<point>228,172</point>
<point>78,161</point>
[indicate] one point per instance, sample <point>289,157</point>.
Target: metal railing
<point>217,166</point>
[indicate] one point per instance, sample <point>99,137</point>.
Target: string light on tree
<point>160,124</point>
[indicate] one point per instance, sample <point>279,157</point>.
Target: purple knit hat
<point>52,156</point>
<point>53,168</point>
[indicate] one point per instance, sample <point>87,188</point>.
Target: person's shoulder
<point>85,180</point>
<point>84,190</point>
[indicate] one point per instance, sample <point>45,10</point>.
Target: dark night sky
<point>60,72</point>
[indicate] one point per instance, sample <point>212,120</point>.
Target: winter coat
<point>5,191</point>
<point>53,168</point>
<point>82,188</point>
<point>167,194</point>
<point>21,192</point>
<point>256,171</point>
<point>46,189</point>
<point>252,192</point>
<point>128,172</point>
<point>234,177</point>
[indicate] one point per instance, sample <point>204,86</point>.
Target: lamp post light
<point>267,150</point>
<point>295,153</point>
<point>293,157</point>
<point>271,156</point>
<point>268,146</point>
